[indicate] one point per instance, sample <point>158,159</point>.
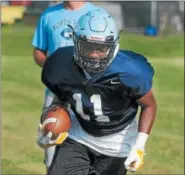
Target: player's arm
<point>148,112</point>
<point>39,56</point>
<point>51,80</point>
<point>45,141</point>
<point>40,41</point>
<point>142,89</point>
<point>147,116</point>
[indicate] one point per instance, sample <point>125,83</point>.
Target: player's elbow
<point>39,57</point>
<point>152,105</point>
<point>150,109</point>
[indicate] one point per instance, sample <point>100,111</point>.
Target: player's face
<point>93,56</point>
<point>95,51</point>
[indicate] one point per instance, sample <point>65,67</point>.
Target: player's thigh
<point>71,158</point>
<point>105,165</point>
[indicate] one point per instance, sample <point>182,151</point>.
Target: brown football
<point>55,119</point>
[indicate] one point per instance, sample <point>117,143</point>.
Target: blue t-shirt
<point>52,31</point>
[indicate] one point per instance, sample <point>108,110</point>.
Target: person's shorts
<point>73,158</point>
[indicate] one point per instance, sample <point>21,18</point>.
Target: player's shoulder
<point>62,57</point>
<point>63,54</point>
<point>132,57</point>
<point>134,63</point>
<point>92,6</point>
<point>58,63</point>
<point>137,72</point>
<point>52,9</point>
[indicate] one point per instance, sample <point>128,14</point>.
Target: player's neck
<point>73,5</point>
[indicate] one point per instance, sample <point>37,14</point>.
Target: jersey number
<point>96,100</point>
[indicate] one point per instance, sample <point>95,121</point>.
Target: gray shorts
<point>73,158</point>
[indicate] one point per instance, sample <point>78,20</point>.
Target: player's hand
<point>135,160</point>
<point>45,141</point>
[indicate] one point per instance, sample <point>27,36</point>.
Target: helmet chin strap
<point>119,34</point>
<point>116,51</point>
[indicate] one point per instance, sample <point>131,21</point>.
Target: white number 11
<point>96,100</point>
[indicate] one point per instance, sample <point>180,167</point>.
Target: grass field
<point>22,96</point>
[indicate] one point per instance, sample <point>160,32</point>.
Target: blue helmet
<point>95,41</point>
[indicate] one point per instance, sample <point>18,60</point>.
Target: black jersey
<point>106,103</point>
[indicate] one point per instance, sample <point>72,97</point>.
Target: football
<point>55,119</point>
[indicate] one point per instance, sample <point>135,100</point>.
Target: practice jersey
<point>106,103</point>
<point>52,30</point>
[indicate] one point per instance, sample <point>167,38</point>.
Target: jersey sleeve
<point>40,36</point>
<point>55,67</point>
<point>139,78</point>
<point>50,72</point>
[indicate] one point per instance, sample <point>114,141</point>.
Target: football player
<point>102,88</point>
<point>51,33</point>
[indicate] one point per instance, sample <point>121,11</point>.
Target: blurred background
<point>152,28</point>
<point>133,16</point>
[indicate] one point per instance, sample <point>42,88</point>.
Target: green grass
<point>22,94</point>
<point>165,148</point>
<point>165,47</point>
<point>16,40</point>
<point>22,97</point>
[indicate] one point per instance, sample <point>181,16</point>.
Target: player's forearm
<point>39,57</point>
<point>147,118</point>
<point>55,101</point>
<point>40,62</point>
<point>64,103</point>
<point>146,121</point>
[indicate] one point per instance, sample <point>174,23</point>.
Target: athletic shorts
<point>73,158</point>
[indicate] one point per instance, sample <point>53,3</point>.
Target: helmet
<point>95,41</point>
